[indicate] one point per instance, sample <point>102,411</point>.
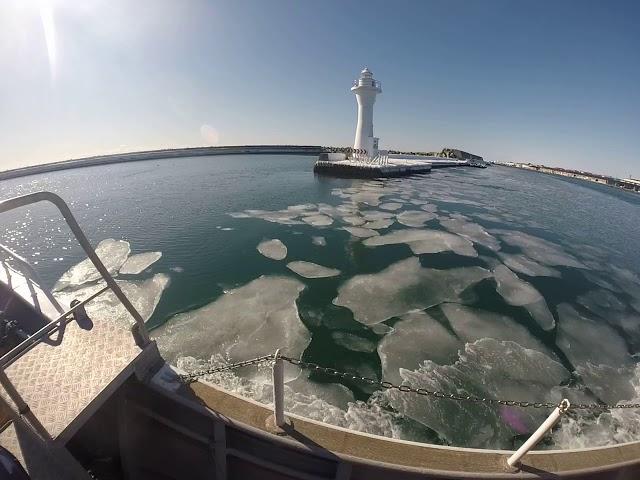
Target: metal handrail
<point>17,351</point>
<point>34,277</point>
<point>139,329</point>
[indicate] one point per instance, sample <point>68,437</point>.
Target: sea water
<point>497,283</point>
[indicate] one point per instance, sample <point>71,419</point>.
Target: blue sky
<point>554,82</point>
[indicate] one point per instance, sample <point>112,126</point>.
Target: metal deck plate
<point>61,380</point>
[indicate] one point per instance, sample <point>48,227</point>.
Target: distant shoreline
<point>159,154</point>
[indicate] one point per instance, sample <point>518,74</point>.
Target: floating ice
<point>353,342</point>
<point>274,249</point>
<point>318,220</point>
<point>522,294</point>
<point>538,249</point>
<point>416,337</point>
<point>392,206</point>
<point>312,270</point>
<point>372,215</point>
<point>113,253</point>
<point>368,197</point>
<point>252,320</point>
<point>353,220</point>
<point>471,231</point>
<point>425,241</point>
<point>471,324</point>
<point>402,287</point>
<point>361,232</point>
<point>414,218</point>
<point>379,224</point>
<point>522,264</point>
<point>486,368</point>
<point>136,264</point>
<point>327,403</point>
<point>143,294</point>
<point>319,241</point>
<point>601,302</point>
<point>429,207</point>
<point>615,426</point>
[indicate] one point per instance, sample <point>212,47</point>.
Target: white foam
<point>113,253</point>
<point>414,218</point>
<point>139,262</point>
<point>522,294</point>
<point>416,337</point>
<point>312,270</point>
<point>471,231</point>
<point>353,342</point>
<point>485,368</point>
<point>361,232</point>
<point>522,264</point>
<point>402,287</point>
<point>425,241</point>
<point>246,322</point>
<point>319,241</point>
<point>274,249</point>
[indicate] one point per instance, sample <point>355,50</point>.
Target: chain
<point>191,377</point>
<point>404,388</point>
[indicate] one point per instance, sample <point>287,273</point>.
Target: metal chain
<point>452,396</point>
<point>191,377</point>
<point>407,388</point>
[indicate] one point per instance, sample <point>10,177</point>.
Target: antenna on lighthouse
<point>366,88</point>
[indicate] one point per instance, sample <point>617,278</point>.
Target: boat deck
<point>65,378</point>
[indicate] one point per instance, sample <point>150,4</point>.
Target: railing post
<point>542,430</point>
<point>277,376</point>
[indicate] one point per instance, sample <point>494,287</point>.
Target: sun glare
<point>49,29</point>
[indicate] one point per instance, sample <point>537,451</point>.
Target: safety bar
<point>139,329</point>
<point>33,276</point>
<point>15,353</point>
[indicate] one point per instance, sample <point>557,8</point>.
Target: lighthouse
<point>366,88</point>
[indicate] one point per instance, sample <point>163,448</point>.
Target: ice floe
<point>414,218</point>
<point>318,220</point>
<point>249,321</point>
<point>606,371</point>
<point>139,262</point>
<point>379,224</point>
<point>402,287</point>
<point>416,337</point>
<point>425,241</point>
<point>353,342</point>
<point>319,241</point>
<point>113,253</point>
<point>361,232</point>
<point>486,368</point>
<point>391,206</point>
<point>543,251</point>
<point>353,220</point>
<point>471,324</point>
<point>312,270</point>
<point>471,231</point>
<point>274,249</point>
<point>522,264</point>
<point>519,293</point>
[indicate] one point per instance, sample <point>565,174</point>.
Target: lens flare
<point>49,29</point>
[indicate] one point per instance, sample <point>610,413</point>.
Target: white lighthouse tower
<point>366,88</point>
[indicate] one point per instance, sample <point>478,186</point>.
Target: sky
<point>551,82</point>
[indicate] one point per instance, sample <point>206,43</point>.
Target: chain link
<point>404,388</point>
<point>191,377</point>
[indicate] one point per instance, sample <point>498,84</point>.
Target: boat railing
<point>278,419</point>
<point>138,329</point>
